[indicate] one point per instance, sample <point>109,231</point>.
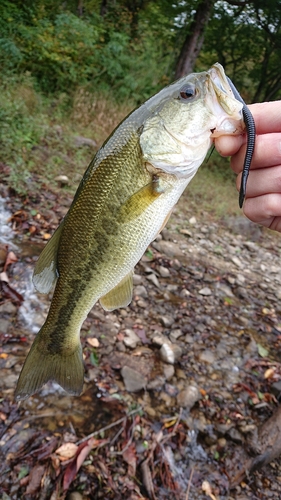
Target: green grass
<point>37,140</point>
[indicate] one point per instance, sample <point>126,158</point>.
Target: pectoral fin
<point>120,295</point>
<point>141,200</point>
<point>45,272</point>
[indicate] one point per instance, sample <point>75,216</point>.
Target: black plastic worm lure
<point>251,138</point>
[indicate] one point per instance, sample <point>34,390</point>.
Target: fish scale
<point>123,201</point>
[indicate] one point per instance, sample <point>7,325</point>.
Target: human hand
<point>263,193</point>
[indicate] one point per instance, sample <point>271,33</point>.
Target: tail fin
<point>41,366</point>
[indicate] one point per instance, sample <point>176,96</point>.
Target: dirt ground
<point>182,387</point>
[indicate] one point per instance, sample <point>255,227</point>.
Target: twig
<point>189,483</point>
<point>107,427</point>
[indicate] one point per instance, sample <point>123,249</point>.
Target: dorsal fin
<point>45,272</point>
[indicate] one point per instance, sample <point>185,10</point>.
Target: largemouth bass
<point>122,203</point>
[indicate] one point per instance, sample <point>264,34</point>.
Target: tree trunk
<point>194,39</point>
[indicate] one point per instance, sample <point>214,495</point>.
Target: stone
<point>133,380</point>
<point>175,334</point>
<point>188,397</point>
<point>137,279</point>
<point>131,340</point>
<point>169,248</point>
<point>140,291</point>
<point>4,325</point>
<point>207,356</point>
<point>164,272</point>
<point>205,291</point>
<point>81,141</point>
<point>153,278</point>
<point>167,321</point>
<point>168,371</point>
<point>170,353</point>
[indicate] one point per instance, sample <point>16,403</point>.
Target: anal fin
<point>120,295</point>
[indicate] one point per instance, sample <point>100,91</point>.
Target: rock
<point>8,307</point>
<point>168,371</point>
<point>140,291</point>
<point>133,380</point>
<point>169,248</point>
<point>236,261</point>
<point>207,356</point>
<point>153,278</point>
<point>276,388</point>
<point>156,383</point>
<point>188,397</point>
<point>62,180</point>
<point>170,353</point>
<point>131,340</point>
<point>192,220</point>
<point>81,141</point>
<point>205,291</point>
<point>137,279</point>
<point>167,321</point>
<point>164,272</point>
<point>159,339</point>
<point>4,325</point>
<point>142,303</point>
<point>175,334</point>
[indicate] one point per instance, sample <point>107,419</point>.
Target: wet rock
<point>207,356</point>
<point>188,397</point>
<point>205,291</point>
<point>131,340</point>
<point>170,353</point>
<point>133,380</point>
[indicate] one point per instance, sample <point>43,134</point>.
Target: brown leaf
<point>67,450</point>
<point>72,469</point>
<point>35,477</point>
<point>10,259</point>
<point>129,455</point>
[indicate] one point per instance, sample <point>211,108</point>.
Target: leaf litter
<point>117,445</point>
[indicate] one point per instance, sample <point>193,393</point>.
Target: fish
<point>123,202</point>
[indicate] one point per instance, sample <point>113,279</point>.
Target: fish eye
<point>187,92</point>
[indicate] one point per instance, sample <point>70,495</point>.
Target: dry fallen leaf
<point>269,373</point>
<point>66,451</point>
<point>93,342</point>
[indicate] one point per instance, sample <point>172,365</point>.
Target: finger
<point>267,153</point>
<point>228,145</point>
<point>264,210</point>
<point>262,181</point>
<point>267,116</point>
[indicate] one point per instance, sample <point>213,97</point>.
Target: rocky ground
<point>181,387</point>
